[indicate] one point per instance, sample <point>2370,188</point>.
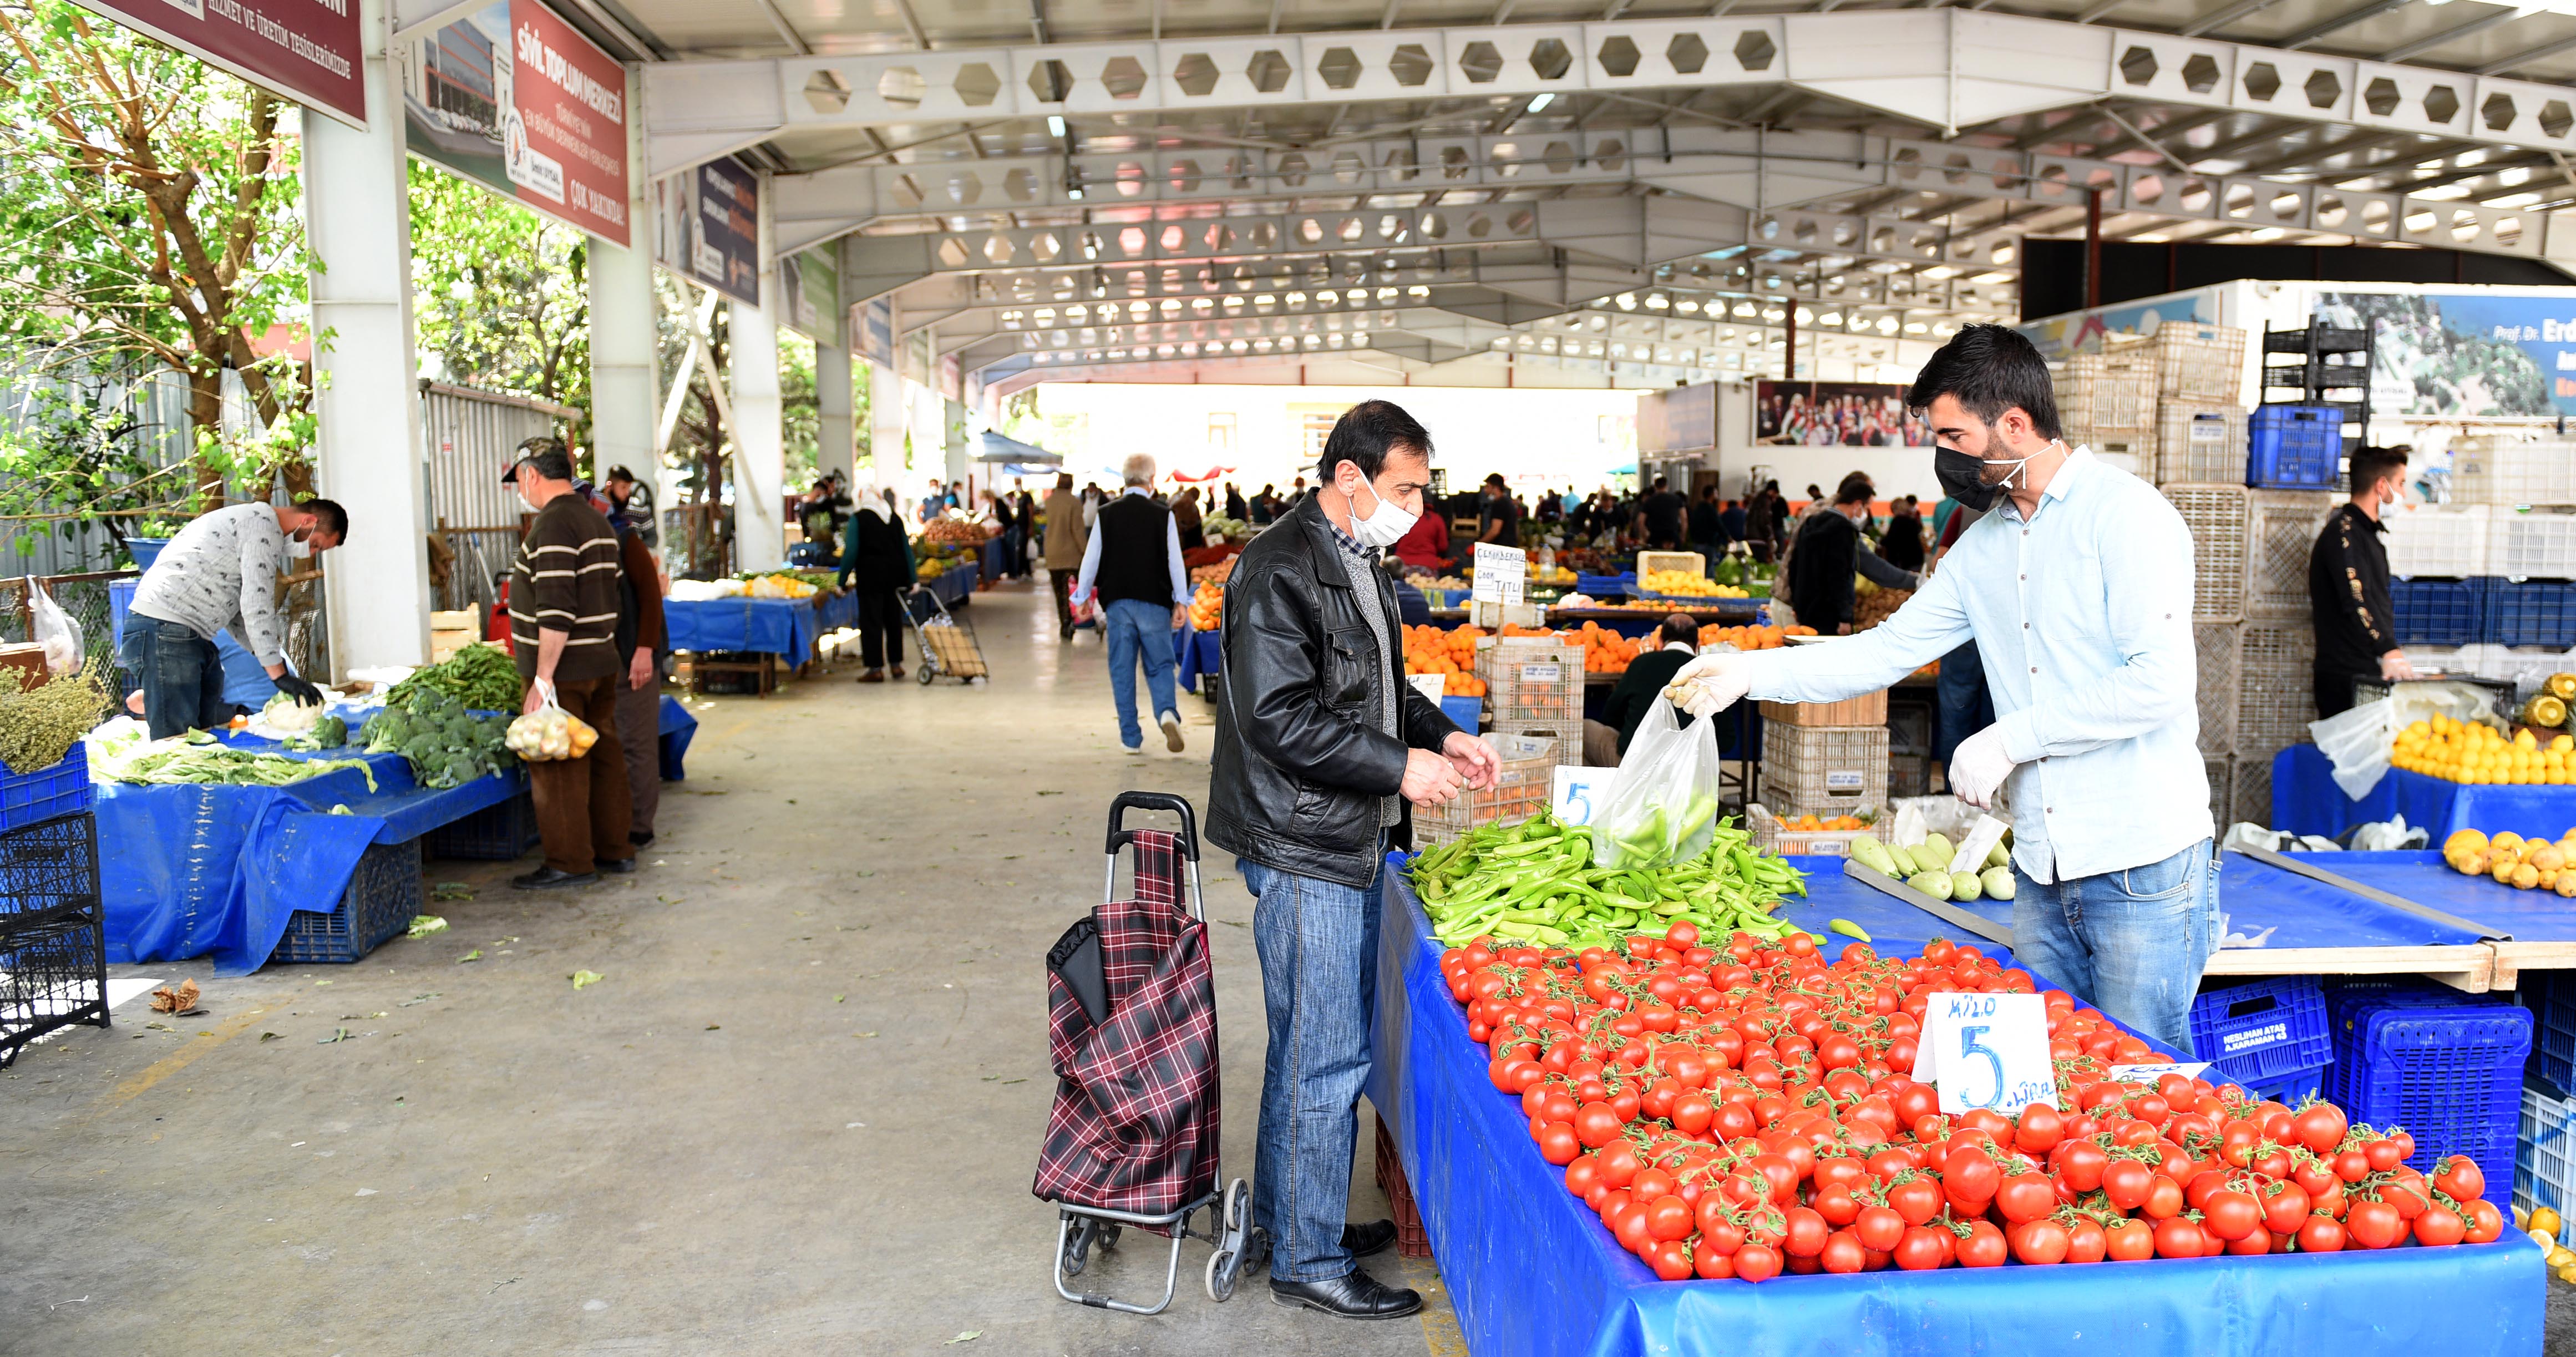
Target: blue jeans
<point>1966,707</point>
<point>1139,630</point>
<point>2130,943</point>
<point>1318,946</point>
<point>181,675</point>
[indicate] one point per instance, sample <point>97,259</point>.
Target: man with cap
<point>564,608</point>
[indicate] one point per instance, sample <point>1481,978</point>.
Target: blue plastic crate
<point>2451,1075</point>
<point>504,832</point>
<point>1466,713</point>
<point>2551,997</point>
<point>31,798</point>
<point>2263,1029</point>
<point>2531,613</point>
<point>2289,1088</point>
<point>1606,586</point>
<point>120,603</point>
<point>2439,612</point>
<point>2294,447</point>
<point>383,896</point>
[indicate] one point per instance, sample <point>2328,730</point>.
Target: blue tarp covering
<point>1198,654</point>
<point>2305,800</point>
<point>2525,916</point>
<point>192,870</point>
<point>1532,1273</point>
<point>677,729</point>
<point>779,626</point>
<point>836,610</point>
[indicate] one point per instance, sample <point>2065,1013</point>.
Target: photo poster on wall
<point>2464,355</point>
<point>511,97</point>
<point>2060,337</point>
<point>1835,415</point>
<point>706,226</point>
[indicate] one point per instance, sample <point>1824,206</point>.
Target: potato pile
<point>2524,864</point>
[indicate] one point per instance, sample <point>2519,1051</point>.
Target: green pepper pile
<point>1538,882</point>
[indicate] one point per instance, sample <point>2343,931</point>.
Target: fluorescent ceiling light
<point>1542,101</point>
<point>1055,126</point>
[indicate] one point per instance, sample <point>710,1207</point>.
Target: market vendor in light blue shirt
<point>2077,589</point>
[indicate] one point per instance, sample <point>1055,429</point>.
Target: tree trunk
<point>206,428</point>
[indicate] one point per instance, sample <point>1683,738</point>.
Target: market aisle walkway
<point>798,1112</point>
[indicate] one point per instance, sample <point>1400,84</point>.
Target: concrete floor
<point>801,1107</point>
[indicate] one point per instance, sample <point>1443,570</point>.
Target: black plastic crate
<point>505,832</point>
<point>50,867</point>
<point>383,897</point>
<point>53,974</point>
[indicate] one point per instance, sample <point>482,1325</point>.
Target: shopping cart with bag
<point>947,644</point>
<point>1131,1018</point>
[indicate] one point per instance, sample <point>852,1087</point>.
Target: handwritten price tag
<point>1987,1051</point>
<point>1578,792</point>
<point>2148,1074</point>
<point>1429,685</point>
<point>1501,573</point>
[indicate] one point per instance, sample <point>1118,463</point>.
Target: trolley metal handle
<point>1120,836</point>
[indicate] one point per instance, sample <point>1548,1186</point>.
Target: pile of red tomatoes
<point>1745,1110</point>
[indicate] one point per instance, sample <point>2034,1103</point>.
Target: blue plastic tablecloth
<point>2305,800</point>
<point>1532,1273</point>
<point>2524,916</point>
<point>836,610</point>
<point>1198,653</point>
<point>192,870</point>
<point>779,626</point>
<point>677,728</point>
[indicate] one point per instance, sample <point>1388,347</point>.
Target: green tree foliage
<point>500,295</point>
<point>149,213</point>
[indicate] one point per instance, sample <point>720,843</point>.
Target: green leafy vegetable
<point>195,764</point>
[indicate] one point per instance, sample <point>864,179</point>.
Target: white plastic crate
<point>2250,790</point>
<point>2200,443</point>
<point>2281,528</point>
<point>2218,645</point>
<point>2276,688</point>
<point>2525,667</point>
<point>2195,361</point>
<point>2544,1152</point>
<point>2108,391</point>
<point>2216,515</point>
<point>2437,540</point>
<point>2527,545</point>
<point>2221,771</point>
<point>2444,659</point>
<point>2513,469</point>
<point>2136,464</point>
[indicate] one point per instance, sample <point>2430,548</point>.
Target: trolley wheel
<point>1223,1270</point>
<point>924,672</point>
<point>1077,1245</point>
<point>1108,1235</point>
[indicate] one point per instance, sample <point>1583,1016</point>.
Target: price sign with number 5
<point>1987,1051</point>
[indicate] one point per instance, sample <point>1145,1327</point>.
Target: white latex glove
<point>1979,766</point>
<point>1714,682</point>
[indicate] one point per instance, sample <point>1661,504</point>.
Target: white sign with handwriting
<point>1986,1051</point>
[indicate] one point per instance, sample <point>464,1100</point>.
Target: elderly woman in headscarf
<point>877,564</point>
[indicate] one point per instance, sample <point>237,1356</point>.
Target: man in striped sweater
<point>563,627</point>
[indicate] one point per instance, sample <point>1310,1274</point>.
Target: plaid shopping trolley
<point>1131,1016</point>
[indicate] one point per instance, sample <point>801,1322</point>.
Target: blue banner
<point>2464,354</point>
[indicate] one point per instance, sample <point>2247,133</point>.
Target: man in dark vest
<point>1133,565</point>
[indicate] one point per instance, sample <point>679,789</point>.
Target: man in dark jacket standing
<point>1820,585</point>
<point>1132,564</point>
<point>2348,585</point>
<point>1606,741</point>
<point>563,629</point>
<point>1320,749</point>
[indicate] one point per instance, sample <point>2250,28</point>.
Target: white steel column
<point>368,450</point>
<point>836,404</point>
<point>759,441</point>
<point>625,372</point>
<point>885,426</point>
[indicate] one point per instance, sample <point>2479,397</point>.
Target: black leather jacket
<point>1300,761</point>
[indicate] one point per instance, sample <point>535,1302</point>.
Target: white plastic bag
<point>55,630</point>
<point>2357,743</point>
<point>549,732</point>
<point>1662,803</point>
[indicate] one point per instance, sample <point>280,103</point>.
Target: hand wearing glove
<point>2394,666</point>
<point>1714,682</point>
<point>304,693</point>
<point>1979,766</point>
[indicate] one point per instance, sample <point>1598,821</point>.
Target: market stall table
<point>676,729</point>
<point>190,870</point>
<point>2531,929</point>
<point>1198,652</point>
<point>1530,1270</point>
<point>2305,800</point>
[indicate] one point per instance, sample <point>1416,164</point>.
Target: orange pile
<point>1429,650</point>
<point>1807,824</point>
<point>1207,607</point>
<point>1606,651</point>
<point>1751,638</point>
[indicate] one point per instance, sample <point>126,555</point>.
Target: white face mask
<point>1384,528</point>
<point>2021,465</point>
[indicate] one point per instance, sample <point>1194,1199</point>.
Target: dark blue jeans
<point>2130,943</point>
<point>180,672</point>
<point>1318,945</point>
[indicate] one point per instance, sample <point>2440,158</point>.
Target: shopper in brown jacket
<point>642,641</point>
<point>563,629</point>
<point>1066,535</point>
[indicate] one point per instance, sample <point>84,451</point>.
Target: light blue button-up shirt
<point>2082,618</point>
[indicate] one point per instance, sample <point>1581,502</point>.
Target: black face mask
<point>1963,479</point>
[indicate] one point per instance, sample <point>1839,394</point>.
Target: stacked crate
<point>1535,687</point>
<point>2200,418</point>
<point>53,952</point>
<point>2486,586</point>
<point>1522,789</point>
<point>2107,401</point>
<point>1825,758</point>
<point>2252,633</point>
<point>2216,518</point>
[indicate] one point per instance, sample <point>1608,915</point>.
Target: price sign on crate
<point>2148,1074</point>
<point>1987,1051</point>
<point>1501,573</point>
<point>1431,686</point>
<point>1578,792</point>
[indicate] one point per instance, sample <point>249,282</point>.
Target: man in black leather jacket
<point>1321,749</point>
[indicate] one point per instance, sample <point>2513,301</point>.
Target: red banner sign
<point>304,50</point>
<point>512,97</point>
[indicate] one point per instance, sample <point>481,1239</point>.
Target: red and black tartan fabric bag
<point>1134,1127</point>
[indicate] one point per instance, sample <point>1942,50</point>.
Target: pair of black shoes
<point>1354,1295</point>
<point>547,878</point>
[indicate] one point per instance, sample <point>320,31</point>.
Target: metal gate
<point>471,434</point>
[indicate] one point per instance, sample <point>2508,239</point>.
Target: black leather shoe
<point>617,866</point>
<point>547,878</point>
<point>1355,1296</point>
<point>1363,1240</point>
<point>640,838</point>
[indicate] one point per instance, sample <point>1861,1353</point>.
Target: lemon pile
<point>2544,1226</point>
<point>2524,864</point>
<point>2466,751</point>
<point>1685,584</point>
